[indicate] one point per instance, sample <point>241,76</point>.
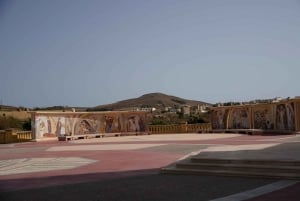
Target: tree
<point>27,125</point>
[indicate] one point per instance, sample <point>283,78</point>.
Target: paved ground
<point>127,168</point>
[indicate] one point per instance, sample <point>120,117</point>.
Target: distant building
<point>186,110</point>
<point>143,109</point>
<point>147,109</point>
<point>199,109</point>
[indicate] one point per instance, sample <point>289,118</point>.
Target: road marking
<point>258,191</point>
<point>247,147</point>
<point>102,147</point>
<point>30,165</point>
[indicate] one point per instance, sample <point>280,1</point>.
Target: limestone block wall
<point>54,124</point>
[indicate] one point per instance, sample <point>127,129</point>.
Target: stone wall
<point>280,116</point>
<point>55,124</point>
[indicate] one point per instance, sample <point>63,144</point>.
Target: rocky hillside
<point>157,100</point>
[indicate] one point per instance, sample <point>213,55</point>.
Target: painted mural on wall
<point>135,123</point>
<point>285,116</point>
<point>219,118</point>
<point>263,117</point>
<point>47,125</point>
<point>239,118</point>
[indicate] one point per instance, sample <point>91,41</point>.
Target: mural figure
<point>69,125</point>
<point>239,119</point>
<point>85,127</point>
<point>49,125</point>
<point>142,124</point>
<point>42,128</point>
<point>263,119</point>
<point>108,124</point>
<point>285,117</point>
<point>281,118</point>
<point>132,125</point>
<point>58,127</point>
<point>219,119</point>
<point>117,126</point>
<point>290,116</point>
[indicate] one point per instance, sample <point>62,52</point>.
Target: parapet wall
<point>283,116</point>
<point>55,124</point>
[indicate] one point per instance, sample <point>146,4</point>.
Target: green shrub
<point>10,122</point>
<point>27,125</point>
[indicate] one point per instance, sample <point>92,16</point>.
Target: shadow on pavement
<point>143,185</point>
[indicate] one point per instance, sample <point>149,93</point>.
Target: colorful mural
<point>263,117</point>
<point>277,117</point>
<point>135,123</point>
<point>219,118</point>
<point>285,116</point>
<point>49,126</point>
<point>297,116</point>
<point>239,118</point>
<point>54,125</point>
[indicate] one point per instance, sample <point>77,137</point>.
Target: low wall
<point>277,117</point>
<point>56,124</point>
<point>13,136</point>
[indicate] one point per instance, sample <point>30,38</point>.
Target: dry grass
<point>15,114</point>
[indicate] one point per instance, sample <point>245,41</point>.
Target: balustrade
<point>180,128</point>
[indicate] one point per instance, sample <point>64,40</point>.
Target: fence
<point>13,136</point>
<point>24,136</point>
<point>180,128</point>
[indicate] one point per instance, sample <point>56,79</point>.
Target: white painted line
<point>279,139</point>
<point>247,147</point>
<point>258,191</point>
<point>102,147</point>
<point>32,165</point>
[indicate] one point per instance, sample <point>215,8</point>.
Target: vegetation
<point>177,118</point>
<point>51,108</point>
<point>178,101</point>
<point>26,126</point>
<point>12,122</point>
<point>195,120</point>
<point>98,109</point>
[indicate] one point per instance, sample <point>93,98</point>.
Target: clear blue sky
<point>87,53</point>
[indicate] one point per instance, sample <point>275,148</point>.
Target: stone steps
<point>277,169</point>
<point>197,159</point>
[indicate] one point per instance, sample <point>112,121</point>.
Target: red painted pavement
<point>116,164</point>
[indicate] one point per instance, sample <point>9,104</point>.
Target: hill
<point>8,108</point>
<point>156,100</point>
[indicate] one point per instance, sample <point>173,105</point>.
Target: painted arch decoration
<point>281,116</point>
<point>239,118</point>
<point>263,117</point>
<point>59,124</point>
<point>219,118</point>
<point>285,116</point>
